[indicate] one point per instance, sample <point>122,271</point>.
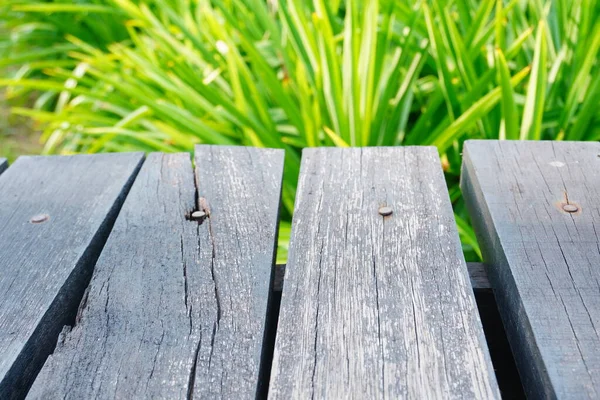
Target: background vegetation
<point>122,75</point>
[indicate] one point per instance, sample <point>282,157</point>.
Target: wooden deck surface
<point>130,277</point>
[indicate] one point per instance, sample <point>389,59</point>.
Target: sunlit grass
<point>120,75</point>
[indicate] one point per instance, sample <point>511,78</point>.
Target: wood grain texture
<point>45,267</point>
<point>377,307</point>
<point>3,165</point>
<point>477,275</point>
<point>176,309</point>
<point>543,261</point>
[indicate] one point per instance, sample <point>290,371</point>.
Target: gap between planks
<point>214,343</point>
<point>3,165</point>
<point>33,247</point>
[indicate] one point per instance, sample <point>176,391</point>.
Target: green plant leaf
<point>510,125</point>
<point>531,125</point>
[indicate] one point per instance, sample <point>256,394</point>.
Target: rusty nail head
<point>38,219</point>
<point>197,215</point>
<point>385,211</point>
<point>570,208</point>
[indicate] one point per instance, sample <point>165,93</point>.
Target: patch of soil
<point>17,134</point>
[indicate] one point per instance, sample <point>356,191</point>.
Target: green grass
<point>121,75</point>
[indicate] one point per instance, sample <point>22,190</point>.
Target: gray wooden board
<point>177,308</point>
<point>3,165</point>
<point>45,267</point>
<point>374,306</point>
<point>477,275</point>
<point>543,262</point>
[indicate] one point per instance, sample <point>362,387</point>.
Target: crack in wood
<point>192,376</point>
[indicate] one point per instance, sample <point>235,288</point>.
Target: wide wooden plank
<point>543,260</point>
<point>477,275</point>
<point>3,165</point>
<point>177,308</point>
<point>376,306</point>
<point>55,216</point>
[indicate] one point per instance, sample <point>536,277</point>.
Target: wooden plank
<point>3,165</point>
<point>279,277</point>
<point>45,267</point>
<point>176,308</point>
<point>375,306</point>
<point>477,275</point>
<point>543,260</point>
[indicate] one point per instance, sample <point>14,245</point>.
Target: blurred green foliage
<point>121,75</point>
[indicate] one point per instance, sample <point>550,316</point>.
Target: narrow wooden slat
<point>543,260</point>
<point>478,276</point>
<point>3,165</point>
<point>45,267</point>
<point>177,308</point>
<point>375,306</point>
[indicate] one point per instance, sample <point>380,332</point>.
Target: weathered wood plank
<point>375,306</point>
<point>45,267</point>
<point>3,165</point>
<point>477,275</point>
<point>177,308</point>
<point>543,260</point>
